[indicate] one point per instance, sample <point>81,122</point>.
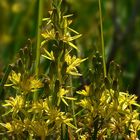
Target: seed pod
<point>97,54</point>
<point>26,50</point>
<point>94,60</point>
<point>100,58</point>
<point>29,65</point>
<point>20,65</point>
<point>21,53</point>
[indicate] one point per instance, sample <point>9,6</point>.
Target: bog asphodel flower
<point>73,63</point>
<point>24,84</point>
<point>63,95</point>
<point>16,104</point>
<point>15,126</point>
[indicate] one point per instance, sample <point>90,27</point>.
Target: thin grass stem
<point>102,38</point>
<point>73,106</point>
<point>4,79</point>
<point>37,61</point>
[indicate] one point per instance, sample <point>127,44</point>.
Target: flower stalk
<point>37,61</point>
<point>102,38</point>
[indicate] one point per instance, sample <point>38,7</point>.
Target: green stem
<point>73,108</point>
<point>37,61</point>
<point>102,38</point>
<point>40,13</point>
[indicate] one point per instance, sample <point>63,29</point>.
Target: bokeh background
<point>121,24</point>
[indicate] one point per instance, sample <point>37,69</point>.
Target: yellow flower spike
<point>62,95</point>
<point>24,85</point>
<point>57,117</point>
<point>15,126</point>
<point>15,103</point>
<point>40,128</point>
<point>72,63</point>
<point>39,106</point>
<point>34,84</point>
<point>83,92</point>
<point>30,85</point>
<point>8,126</point>
<point>15,78</point>
<point>85,103</point>
<point>48,35</point>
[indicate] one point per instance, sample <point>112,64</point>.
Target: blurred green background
<point>121,23</point>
